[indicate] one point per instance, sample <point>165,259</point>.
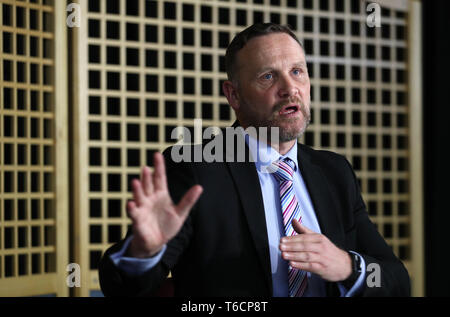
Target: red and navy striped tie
<point>284,171</point>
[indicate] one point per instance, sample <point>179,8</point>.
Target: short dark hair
<point>239,41</point>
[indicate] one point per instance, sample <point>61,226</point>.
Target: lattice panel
<point>359,83</point>
<point>33,226</point>
<point>145,67</point>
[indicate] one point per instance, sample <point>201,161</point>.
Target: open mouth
<point>289,109</point>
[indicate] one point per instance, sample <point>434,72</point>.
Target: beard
<point>288,128</point>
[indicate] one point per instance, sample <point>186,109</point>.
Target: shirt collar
<point>263,154</point>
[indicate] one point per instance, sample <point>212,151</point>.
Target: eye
<point>297,72</point>
<point>268,76</point>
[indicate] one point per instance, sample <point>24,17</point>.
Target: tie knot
<point>284,169</point>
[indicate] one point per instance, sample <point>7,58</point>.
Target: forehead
<point>272,50</point>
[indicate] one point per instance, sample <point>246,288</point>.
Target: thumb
<point>188,200</point>
<point>299,228</point>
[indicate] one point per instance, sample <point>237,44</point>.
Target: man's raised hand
<point>155,218</point>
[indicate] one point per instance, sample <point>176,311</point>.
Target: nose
<point>287,87</point>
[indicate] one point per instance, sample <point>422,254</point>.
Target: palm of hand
<point>156,219</point>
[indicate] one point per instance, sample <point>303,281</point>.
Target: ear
<point>230,92</point>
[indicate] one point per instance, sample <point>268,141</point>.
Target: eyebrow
<point>268,68</point>
<point>300,64</point>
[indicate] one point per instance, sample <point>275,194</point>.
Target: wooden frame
<point>416,148</point>
<point>35,226</point>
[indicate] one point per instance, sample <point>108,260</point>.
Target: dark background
<point>436,93</point>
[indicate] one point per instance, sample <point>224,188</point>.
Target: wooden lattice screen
<point>141,68</point>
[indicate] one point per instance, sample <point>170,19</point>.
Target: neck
<point>283,147</point>
<point>280,147</point>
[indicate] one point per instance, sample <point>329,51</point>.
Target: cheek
<point>259,100</point>
<point>306,87</point>
<point>305,92</point>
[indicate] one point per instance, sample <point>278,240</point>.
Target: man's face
<point>273,87</point>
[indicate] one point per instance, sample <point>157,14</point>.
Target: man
<point>237,230</point>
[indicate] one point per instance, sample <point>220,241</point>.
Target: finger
<point>312,267</point>
<point>299,228</point>
<point>159,178</point>
<point>300,247</point>
<point>138,192</point>
<point>146,179</point>
<point>132,210</point>
<point>300,238</point>
<point>188,200</point>
<point>301,256</point>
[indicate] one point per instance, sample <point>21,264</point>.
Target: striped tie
<point>290,208</point>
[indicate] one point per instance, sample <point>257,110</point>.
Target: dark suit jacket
<point>222,249</point>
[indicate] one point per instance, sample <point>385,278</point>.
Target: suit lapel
<point>246,181</point>
<point>324,207</point>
